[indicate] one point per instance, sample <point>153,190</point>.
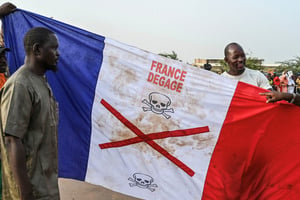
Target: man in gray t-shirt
<point>236,60</point>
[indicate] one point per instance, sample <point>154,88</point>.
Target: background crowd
<point>286,81</point>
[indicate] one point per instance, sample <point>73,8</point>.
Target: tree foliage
<point>254,63</point>
<point>223,66</point>
<point>172,55</point>
<point>290,65</point>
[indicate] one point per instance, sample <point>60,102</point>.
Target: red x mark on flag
<point>141,137</point>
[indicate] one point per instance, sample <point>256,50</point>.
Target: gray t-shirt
<point>252,77</point>
<point>30,112</point>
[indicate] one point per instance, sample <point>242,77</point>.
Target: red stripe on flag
<point>257,153</point>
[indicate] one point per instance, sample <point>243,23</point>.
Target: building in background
<point>217,64</point>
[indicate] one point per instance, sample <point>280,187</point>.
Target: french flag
<point>154,128</point>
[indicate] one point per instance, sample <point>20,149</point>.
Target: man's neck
<point>34,67</point>
<point>236,73</point>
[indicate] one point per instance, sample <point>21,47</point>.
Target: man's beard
<point>53,68</point>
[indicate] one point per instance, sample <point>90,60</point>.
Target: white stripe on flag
<point>126,83</point>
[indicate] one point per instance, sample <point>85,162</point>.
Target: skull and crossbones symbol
<point>158,104</point>
<point>143,181</point>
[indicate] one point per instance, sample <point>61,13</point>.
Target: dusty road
<point>77,190</point>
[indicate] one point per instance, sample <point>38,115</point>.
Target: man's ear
<point>36,49</point>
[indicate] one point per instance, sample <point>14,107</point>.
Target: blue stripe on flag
<point>81,55</point>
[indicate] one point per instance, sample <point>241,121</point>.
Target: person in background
<point>276,82</point>
<point>270,79</point>
<point>236,60</point>
<point>29,118</point>
<point>275,96</point>
<point>5,9</point>
<point>284,82</point>
<point>298,84</point>
<point>291,82</point>
<point>4,72</point>
<point>3,77</point>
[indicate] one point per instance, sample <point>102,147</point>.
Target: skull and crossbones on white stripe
<point>158,103</point>
<point>142,181</point>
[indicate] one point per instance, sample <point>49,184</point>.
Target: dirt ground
<point>78,190</point>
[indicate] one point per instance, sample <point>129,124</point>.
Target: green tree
<point>223,66</point>
<point>290,65</point>
<point>254,63</point>
<point>172,55</point>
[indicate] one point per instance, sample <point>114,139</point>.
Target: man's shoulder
<point>253,71</point>
<point>250,70</point>
<point>226,74</point>
<point>20,76</point>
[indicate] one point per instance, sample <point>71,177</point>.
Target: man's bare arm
<point>16,155</point>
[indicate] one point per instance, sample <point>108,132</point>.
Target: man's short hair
<point>229,45</point>
<point>35,35</point>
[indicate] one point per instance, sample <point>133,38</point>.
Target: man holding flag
<point>275,96</point>
<point>235,58</point>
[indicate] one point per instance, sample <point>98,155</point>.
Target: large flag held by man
<point>155,128</point>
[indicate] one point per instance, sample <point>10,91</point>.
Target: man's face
<point>236,60</point>
<point>3,62</point>
<point>49,54</point>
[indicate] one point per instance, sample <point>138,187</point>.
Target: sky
<point>266,29</point>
